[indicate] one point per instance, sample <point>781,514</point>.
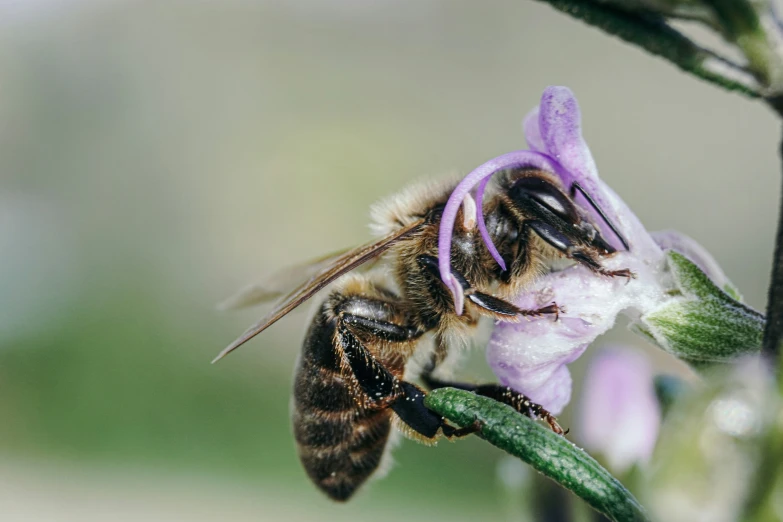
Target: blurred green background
<point>157,155</point>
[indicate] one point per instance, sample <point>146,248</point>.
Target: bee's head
<point>535,196</point>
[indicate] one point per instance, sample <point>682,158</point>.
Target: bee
<point>350,386</point>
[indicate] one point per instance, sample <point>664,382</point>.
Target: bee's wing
<point>280,283</point>
<point>338,266</point>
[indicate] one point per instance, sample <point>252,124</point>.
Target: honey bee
<point>350,384</point>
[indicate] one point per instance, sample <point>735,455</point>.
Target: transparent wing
<point>280,283</point>
<point>336,267</point>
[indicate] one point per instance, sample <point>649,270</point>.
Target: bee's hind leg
<point>378,387</point>
<point>451,432</point>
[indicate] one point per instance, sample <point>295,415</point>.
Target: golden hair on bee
<point>416,199</point>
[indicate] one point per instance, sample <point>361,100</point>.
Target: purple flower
<point>531,356</point>
<point>619,413</point>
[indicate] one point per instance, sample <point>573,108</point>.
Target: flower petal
<point>620,415</point>
<point>530,356</point>
<point>640,241</point>
<point>533,132</point>
<point>687,246</point>
<point>560,126</point>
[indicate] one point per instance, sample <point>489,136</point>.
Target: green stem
<point>692,12</point>
<point>765,480</point>
<point>758,41</point>
<point>654,35</point>
<point>550,454</point>
<point>773,332</point>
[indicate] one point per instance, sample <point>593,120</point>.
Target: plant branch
<point>765,480</point>
<point>773,333</point>
<point>757,36</point>
<point>692,12</point>
<point>550,454</point>
<point>654,35</point>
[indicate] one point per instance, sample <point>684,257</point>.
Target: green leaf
<point>549,453</point>
<point>733,291</point>
<point>704,324</point>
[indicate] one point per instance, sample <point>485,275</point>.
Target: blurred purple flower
<point>619,414</point>
<point>531,356</point>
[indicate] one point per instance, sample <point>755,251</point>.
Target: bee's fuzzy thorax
<point>409,204</point>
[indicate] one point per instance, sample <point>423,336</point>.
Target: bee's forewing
<point>334,268</point>
<point>280,283</point>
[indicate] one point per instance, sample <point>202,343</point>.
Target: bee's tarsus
<point>451,432</point>
<point>625,272</point>
<point>552,421</point>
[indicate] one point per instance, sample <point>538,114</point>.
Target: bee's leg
<point>575,186</point>
<point>451,432</point>
<point>519,402</point>
<point>383,330</point>
<point>562,243</point>
<point>504,394</point>
<point>501,309</point>
<point>380,387</point>
<point>490,304</point>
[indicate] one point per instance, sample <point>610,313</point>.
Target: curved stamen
<point>511,160</point>
<point>483,226</point>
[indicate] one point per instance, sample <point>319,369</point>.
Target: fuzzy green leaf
<point>733,292</point>
<point>549,453</point>
<point>705,324</point>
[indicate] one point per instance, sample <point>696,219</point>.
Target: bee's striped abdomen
<point>340,445</point>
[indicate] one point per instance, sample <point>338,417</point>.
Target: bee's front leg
<point>377,386</point>
<point>564,244</point>
<point>504,310</point>
<point>489,304</point>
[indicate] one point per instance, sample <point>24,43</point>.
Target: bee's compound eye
<point>543,194</point>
